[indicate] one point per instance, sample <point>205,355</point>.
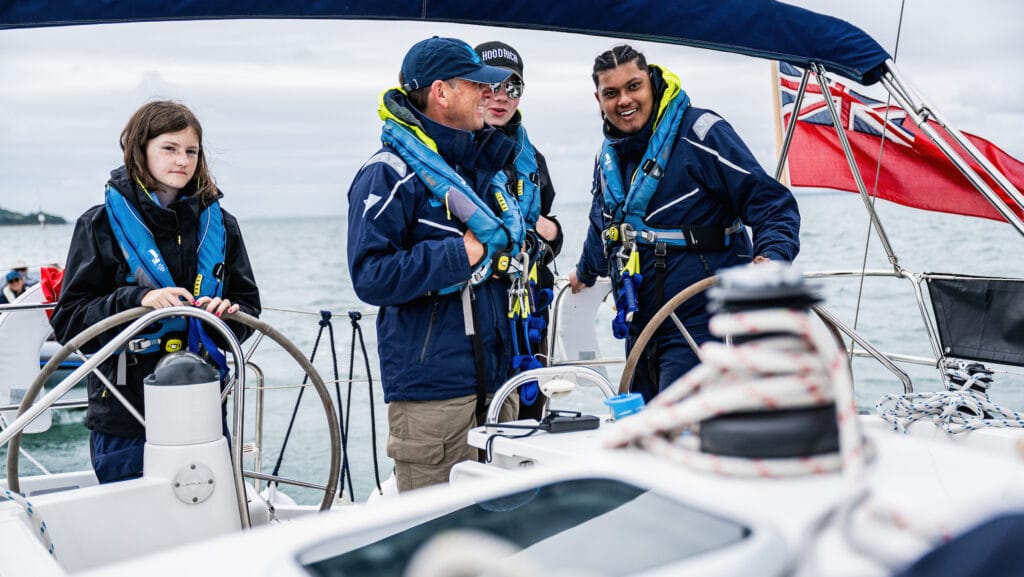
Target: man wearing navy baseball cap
<point>445,58</point>
<point>444,79</point>
<point>430,219</point>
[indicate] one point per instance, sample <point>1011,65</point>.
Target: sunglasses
<point>513,88</point>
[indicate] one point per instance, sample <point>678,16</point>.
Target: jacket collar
<point>477,154</point>
<point>456,146</point>
<point>156,217</point>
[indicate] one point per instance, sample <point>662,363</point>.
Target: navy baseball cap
<point>444,58</point>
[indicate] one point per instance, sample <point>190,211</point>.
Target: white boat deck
<point>932,487</point>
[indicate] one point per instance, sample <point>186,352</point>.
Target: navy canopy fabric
<point>759,28</point>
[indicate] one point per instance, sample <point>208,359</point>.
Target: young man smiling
<point>428,214</point>
<point>676,187</point>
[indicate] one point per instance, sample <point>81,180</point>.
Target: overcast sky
<point>289,107</point>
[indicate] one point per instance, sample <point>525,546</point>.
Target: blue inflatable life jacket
<point>630,206</point>
<point>147,268</point>
<point>498,233</point>
<point>527,186</point>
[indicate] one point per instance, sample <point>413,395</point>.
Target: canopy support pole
<point>920,112</point>
<point>819,73</point>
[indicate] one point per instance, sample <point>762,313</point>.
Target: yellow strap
<point>150,194</point>
<point>633,263</point>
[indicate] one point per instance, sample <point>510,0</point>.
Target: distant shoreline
<point>10,218</point>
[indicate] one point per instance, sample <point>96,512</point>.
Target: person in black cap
<point>528,170</point>
<point>429,214</point>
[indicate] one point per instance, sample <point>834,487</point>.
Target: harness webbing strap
<point>122,370</point>
<point>472,325</point>
<point>692,237</point>
<point>660,250</point>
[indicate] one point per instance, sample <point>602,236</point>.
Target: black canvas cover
<point>980,318</point>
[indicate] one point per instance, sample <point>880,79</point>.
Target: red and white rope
<point>798,366</point>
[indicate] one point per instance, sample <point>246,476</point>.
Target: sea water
<point>300,266</point>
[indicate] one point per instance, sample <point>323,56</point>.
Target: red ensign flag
<point>914,172</point>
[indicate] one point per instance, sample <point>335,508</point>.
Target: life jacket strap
<point>122,369</point>
<point>168,336</point>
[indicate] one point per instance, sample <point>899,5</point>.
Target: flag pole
<point>783,173</point>
<point>791,129</point>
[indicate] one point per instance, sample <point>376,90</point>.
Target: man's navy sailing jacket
<point>403,247</point>
<point>711,178</point>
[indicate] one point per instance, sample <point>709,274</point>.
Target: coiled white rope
<point>960,408</point>
<point>36,519</point>
<point>801,367</point>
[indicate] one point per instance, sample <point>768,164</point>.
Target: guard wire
<point>357,330</point>
<point>346,471</point>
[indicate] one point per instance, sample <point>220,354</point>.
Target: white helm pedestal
<point>183,402</point>
<point>184,433</point>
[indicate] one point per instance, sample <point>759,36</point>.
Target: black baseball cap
<point>444,58</point>
<point>501,55</point>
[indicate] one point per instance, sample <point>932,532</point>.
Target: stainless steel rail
<point>285,480</point>
<point>908,386</point>
<point>546,373</point>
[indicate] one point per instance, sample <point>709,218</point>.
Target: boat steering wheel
<point>669,308</point>
<point>666,310</point>
<point>334,471</point>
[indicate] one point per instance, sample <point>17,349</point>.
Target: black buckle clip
<point>660,250</point>
<point>651,168</point>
